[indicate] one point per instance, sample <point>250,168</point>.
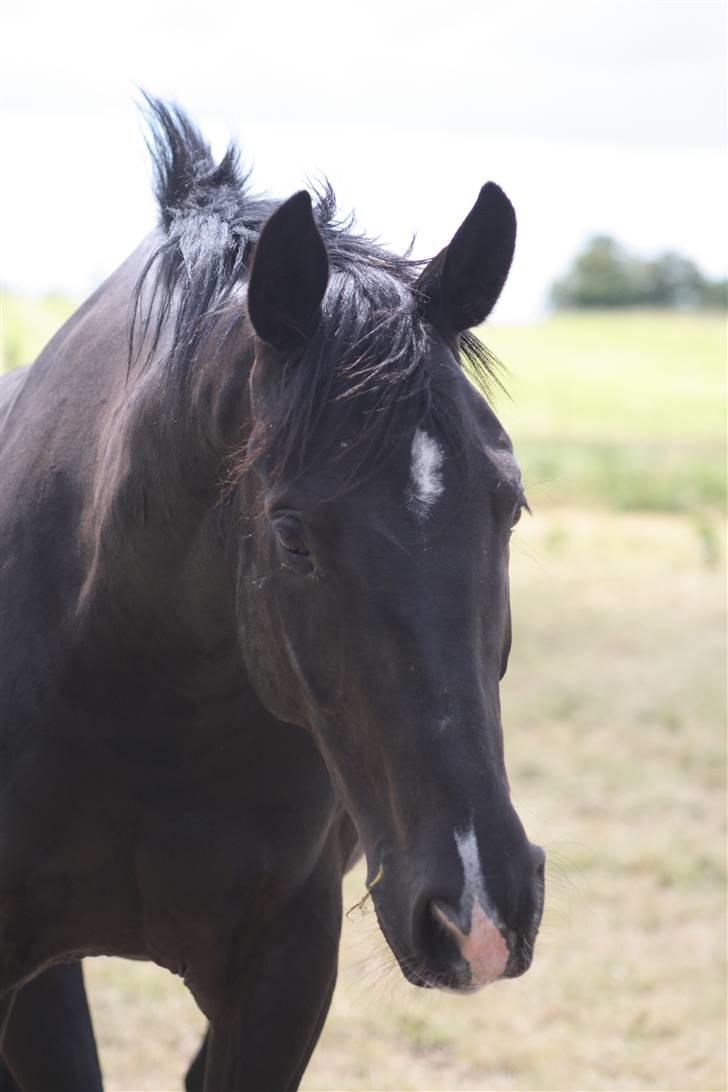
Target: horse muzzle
<point>465,942</point>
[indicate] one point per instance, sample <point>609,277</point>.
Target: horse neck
<point>153,532</point>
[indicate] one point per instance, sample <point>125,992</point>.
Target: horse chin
<point>436,980</point>
<point>459,982</point>
<point>425,978</point>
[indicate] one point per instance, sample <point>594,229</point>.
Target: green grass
<point>27,323</point>
<point>622,409</point>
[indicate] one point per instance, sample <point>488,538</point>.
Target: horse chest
<point>137,860</point>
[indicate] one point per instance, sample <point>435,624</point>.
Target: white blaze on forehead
<point>483,946</point>
<point>425,473</point>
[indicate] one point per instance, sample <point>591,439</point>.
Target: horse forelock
<point>370,342</point>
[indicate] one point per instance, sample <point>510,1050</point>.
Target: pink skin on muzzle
<point>483,947</point>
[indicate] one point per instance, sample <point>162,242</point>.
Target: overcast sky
<point>596,115</point>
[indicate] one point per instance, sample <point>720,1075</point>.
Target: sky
<point>594,116</point>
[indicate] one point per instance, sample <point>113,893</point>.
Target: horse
<point>256,510</point>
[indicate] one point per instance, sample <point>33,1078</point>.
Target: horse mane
<point>210,220</point>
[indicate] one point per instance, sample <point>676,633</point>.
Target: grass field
<point>27,323</point>
<point>625,409</point>
<point>614,707</point>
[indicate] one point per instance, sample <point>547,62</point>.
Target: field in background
<point>625,409</point>
<point>27,323</point>
<point>614,707</point>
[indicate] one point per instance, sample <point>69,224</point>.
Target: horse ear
<point>460,286</point>
<point>289,275</point>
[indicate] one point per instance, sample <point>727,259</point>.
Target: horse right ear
<point>460,286</point>
<point>289,275</point>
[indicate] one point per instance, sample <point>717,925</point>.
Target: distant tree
<point>673,281</point>
<point>715,294</point>
<point>601,276</point>
<point>604,274</point>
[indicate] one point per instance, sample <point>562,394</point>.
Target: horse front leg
<point>49,1040</point>
<point>263,1033</point>
<point>195,1077</point>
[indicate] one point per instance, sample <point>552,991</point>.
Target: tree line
<point>605,274</point>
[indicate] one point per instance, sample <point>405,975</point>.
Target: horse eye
<point>290,535</point>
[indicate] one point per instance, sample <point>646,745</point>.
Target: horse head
<point>380,491</point>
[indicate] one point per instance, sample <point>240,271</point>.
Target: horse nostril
<point>426,930</point>
<point>436,926</point>
<point>445,917</point>
<point>540,892</point>
<point>482,950</point>
<point>539,861</point>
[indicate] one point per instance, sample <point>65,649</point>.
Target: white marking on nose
<point>425,473</point>
<point>467,844</point>
<point>483,944</point>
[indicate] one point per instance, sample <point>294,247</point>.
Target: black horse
<point>255,611</point>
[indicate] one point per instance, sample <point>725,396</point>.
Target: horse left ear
<point>460,287</point>
<point>289,275</point>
